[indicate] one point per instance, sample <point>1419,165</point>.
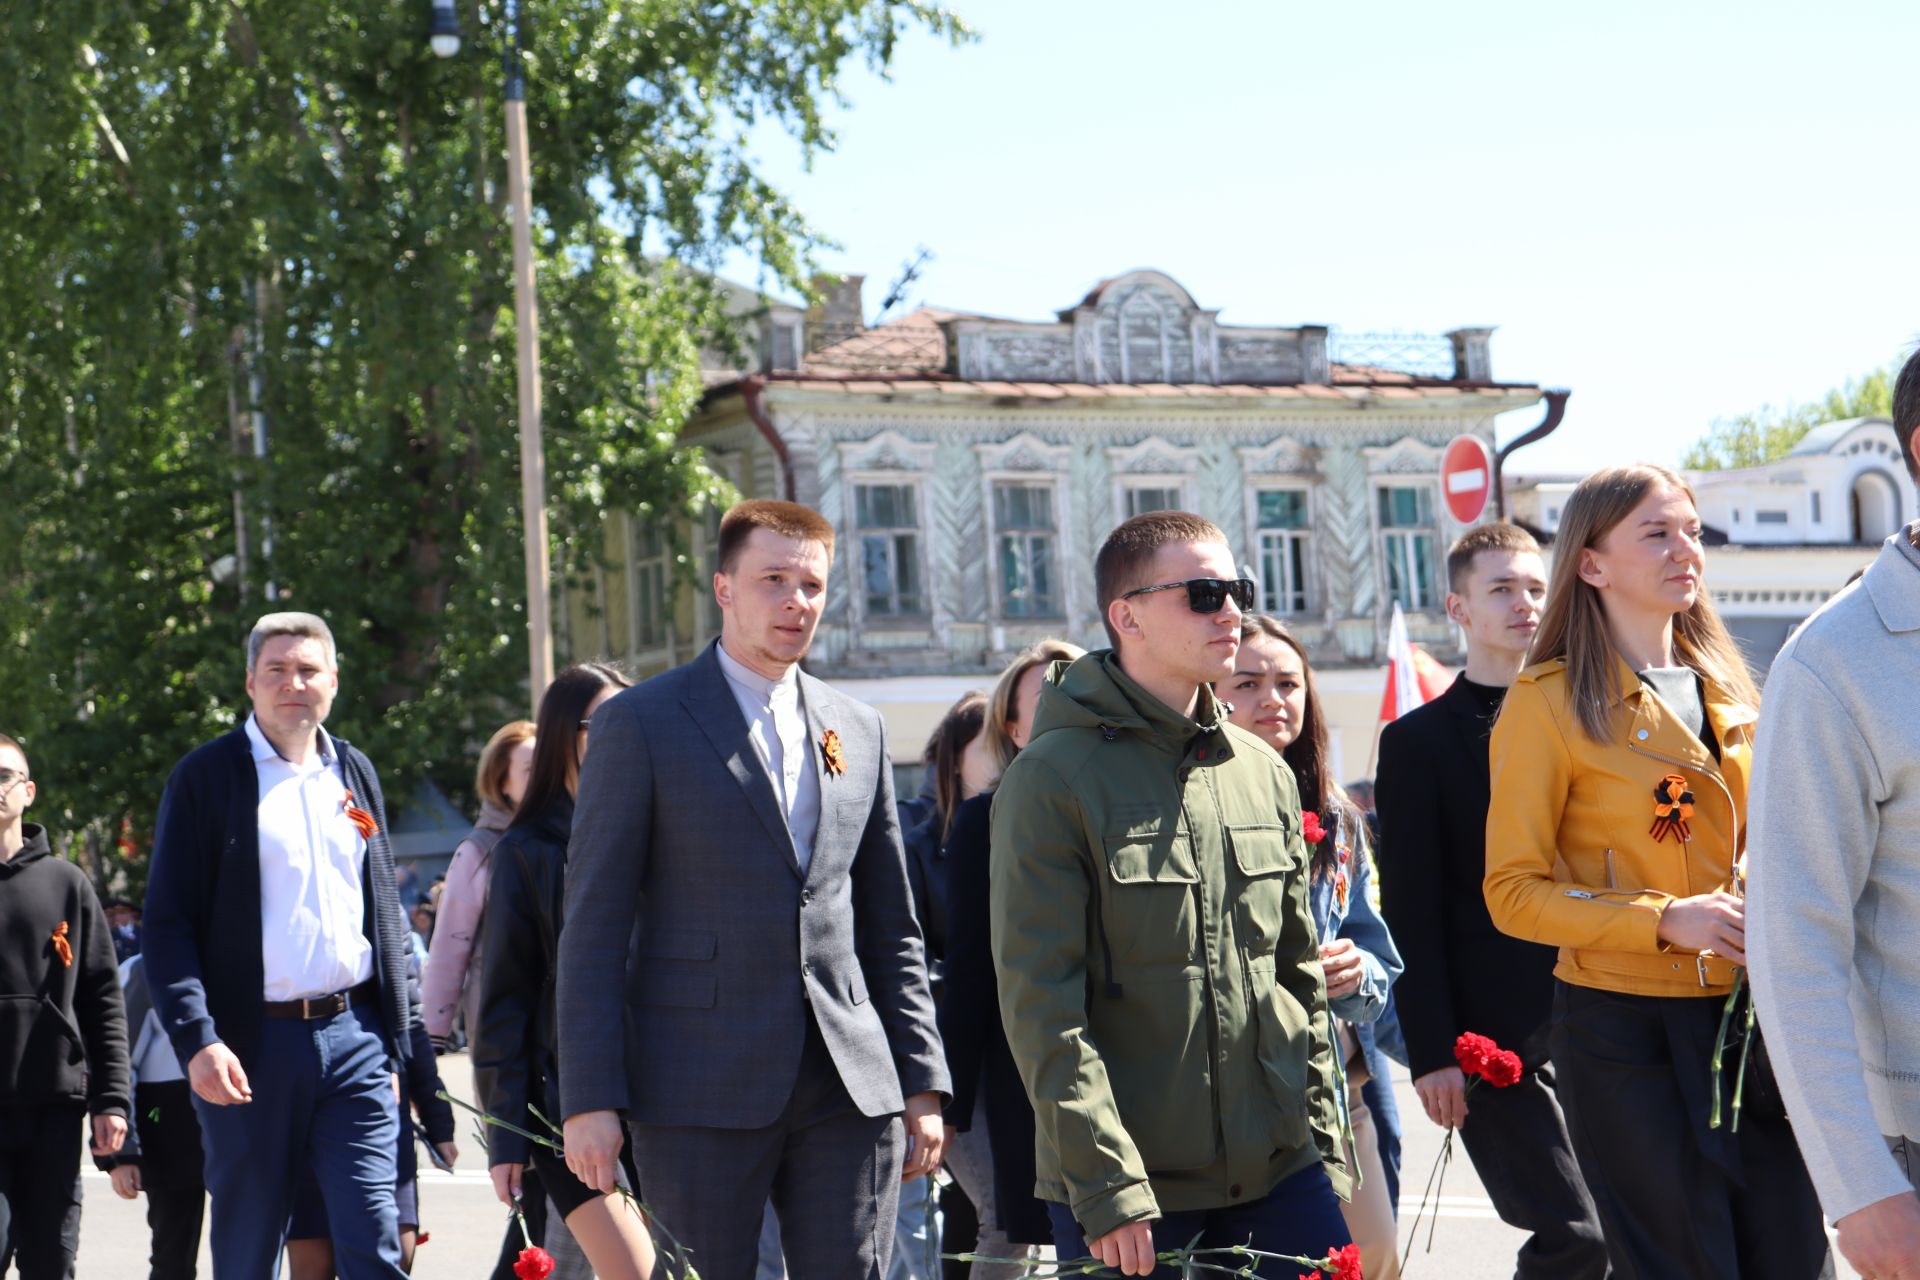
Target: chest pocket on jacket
<point>1150,918</point>
<point>1264,861</point>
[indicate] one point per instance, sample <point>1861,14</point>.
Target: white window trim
<point>850,483</point>
<point>1388,480</point>
<point>1062,545</point>
<point>1257,484</point>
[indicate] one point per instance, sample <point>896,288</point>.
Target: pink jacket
<point>452,975</point>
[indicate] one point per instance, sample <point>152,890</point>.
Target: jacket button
<point>1642,735</point>
<point>806,895</point>
<point>1234,1191</point>
<point>806,971</point>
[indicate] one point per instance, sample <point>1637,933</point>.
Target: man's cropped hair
<point>8,740</point>
<point>306,625</point>
<point>1906,409</point>
<point>787,519</point>
<point>1496,536</point>
<point>1126,557</point>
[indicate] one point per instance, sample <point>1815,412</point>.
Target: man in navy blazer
<point>738,901</point>
<point>275,950</point>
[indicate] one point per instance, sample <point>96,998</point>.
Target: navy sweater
<point>202,921</point>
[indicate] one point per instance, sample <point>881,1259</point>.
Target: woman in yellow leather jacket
<point>1616,832</point>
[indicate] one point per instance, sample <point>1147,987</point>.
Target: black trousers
<point>40,1189</point>
<point>175,1215</point>
<point>1517,1139</point>
<point>1675,1197</point>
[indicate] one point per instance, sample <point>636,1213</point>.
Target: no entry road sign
<point>1466,478</point>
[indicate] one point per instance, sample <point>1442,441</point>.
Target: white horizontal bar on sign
<point>1467,481</point>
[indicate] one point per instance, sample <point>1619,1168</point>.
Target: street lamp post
<point>444,36</point>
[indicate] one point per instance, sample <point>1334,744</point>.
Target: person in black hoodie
<point>63,1036</point>
<point>515,1069</point>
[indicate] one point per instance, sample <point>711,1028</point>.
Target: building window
<point>1283,550</point>
<point>1769,517</point>
<point>649,586</point>
<point>889,531</point>
<point>1026,538</point>
<point>1408,548</point>
<point>1145,498</point>
<point>1815,499</point>
<point>1736,515</point>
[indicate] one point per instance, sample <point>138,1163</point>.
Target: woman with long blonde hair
<point>1617,833</point>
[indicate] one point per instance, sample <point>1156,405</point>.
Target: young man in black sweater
<point>1432,792</point>
<point>63,1036</point>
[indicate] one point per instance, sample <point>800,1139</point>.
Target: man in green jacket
<point>1159,973</point>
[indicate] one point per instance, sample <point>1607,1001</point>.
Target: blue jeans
<point>1301,1215</point>
<point>322,1098</point>
<point>1377,1093</point>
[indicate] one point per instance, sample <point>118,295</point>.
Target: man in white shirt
<point>277,957</point>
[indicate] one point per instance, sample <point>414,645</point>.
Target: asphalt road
<point>466,1223</point>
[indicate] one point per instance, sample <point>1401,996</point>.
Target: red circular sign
<point>1466,478</point>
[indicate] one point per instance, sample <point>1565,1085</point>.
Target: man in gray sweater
<point>1834,892</point>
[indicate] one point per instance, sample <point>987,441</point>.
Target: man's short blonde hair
<point>308,625</point>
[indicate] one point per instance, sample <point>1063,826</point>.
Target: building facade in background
<point>973,465</point>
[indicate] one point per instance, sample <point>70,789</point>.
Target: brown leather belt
<point>314,1008</point>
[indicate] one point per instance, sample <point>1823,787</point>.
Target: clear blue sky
<point>1680,210</point>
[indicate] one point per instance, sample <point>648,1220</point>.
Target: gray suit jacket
<point>689,923</point>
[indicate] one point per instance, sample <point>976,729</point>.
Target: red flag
<point>1414,676</point>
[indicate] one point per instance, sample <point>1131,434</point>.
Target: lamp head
<point>444,32</point>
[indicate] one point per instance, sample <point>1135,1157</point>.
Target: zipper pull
<point>1579,893</point>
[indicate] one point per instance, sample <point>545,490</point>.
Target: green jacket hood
<point>1092,692</point>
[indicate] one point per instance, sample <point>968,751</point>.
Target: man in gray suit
<point>737,900</point>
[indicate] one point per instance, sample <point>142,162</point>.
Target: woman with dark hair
<point>1271,695</point>
<point>1618,834</point>
<point>515,1069</point>
<point>992,1161</point>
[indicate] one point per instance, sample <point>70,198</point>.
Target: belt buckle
<point>1700,969</point>
<point>306,1009</point>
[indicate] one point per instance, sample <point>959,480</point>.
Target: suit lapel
<point>711,705</point>
<point>821,716</point>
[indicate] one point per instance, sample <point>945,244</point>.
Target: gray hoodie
<point>1834,896</point>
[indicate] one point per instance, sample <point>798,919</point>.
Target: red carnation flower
<point>1503,1068</point>
<point>1346,1262</point>
<point>537,1264</point>
<point>1472,1052</point>
<point>1311,827</point>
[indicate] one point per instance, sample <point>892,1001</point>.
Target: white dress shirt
<point>778,726</point>
<point>312,916</point>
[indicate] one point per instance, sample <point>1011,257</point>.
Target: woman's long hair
<point>556,760</point>
<point>947,748</point>
<point>1309,755</point>
<point>1000,703</point>
<point>1573,625</point>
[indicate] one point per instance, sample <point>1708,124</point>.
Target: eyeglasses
<point>1206,595</point>
<point>8,777</point>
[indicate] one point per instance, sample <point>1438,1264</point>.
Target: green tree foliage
<point>218,208</point>
<point>1749,439</point>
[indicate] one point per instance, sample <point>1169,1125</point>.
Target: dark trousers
<point>322,1096</point>
<point>175,1216</point>
<point>1300,1216</point>
<point>832,1173</point>
<point>1676,1198</point>
<point>40,1189</point>
<point>1517,1139</point>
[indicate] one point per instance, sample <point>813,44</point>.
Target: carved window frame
<point>851,482</point>
<point>1310,586</point>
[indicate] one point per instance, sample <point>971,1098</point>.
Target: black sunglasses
<point>1206,595</point>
